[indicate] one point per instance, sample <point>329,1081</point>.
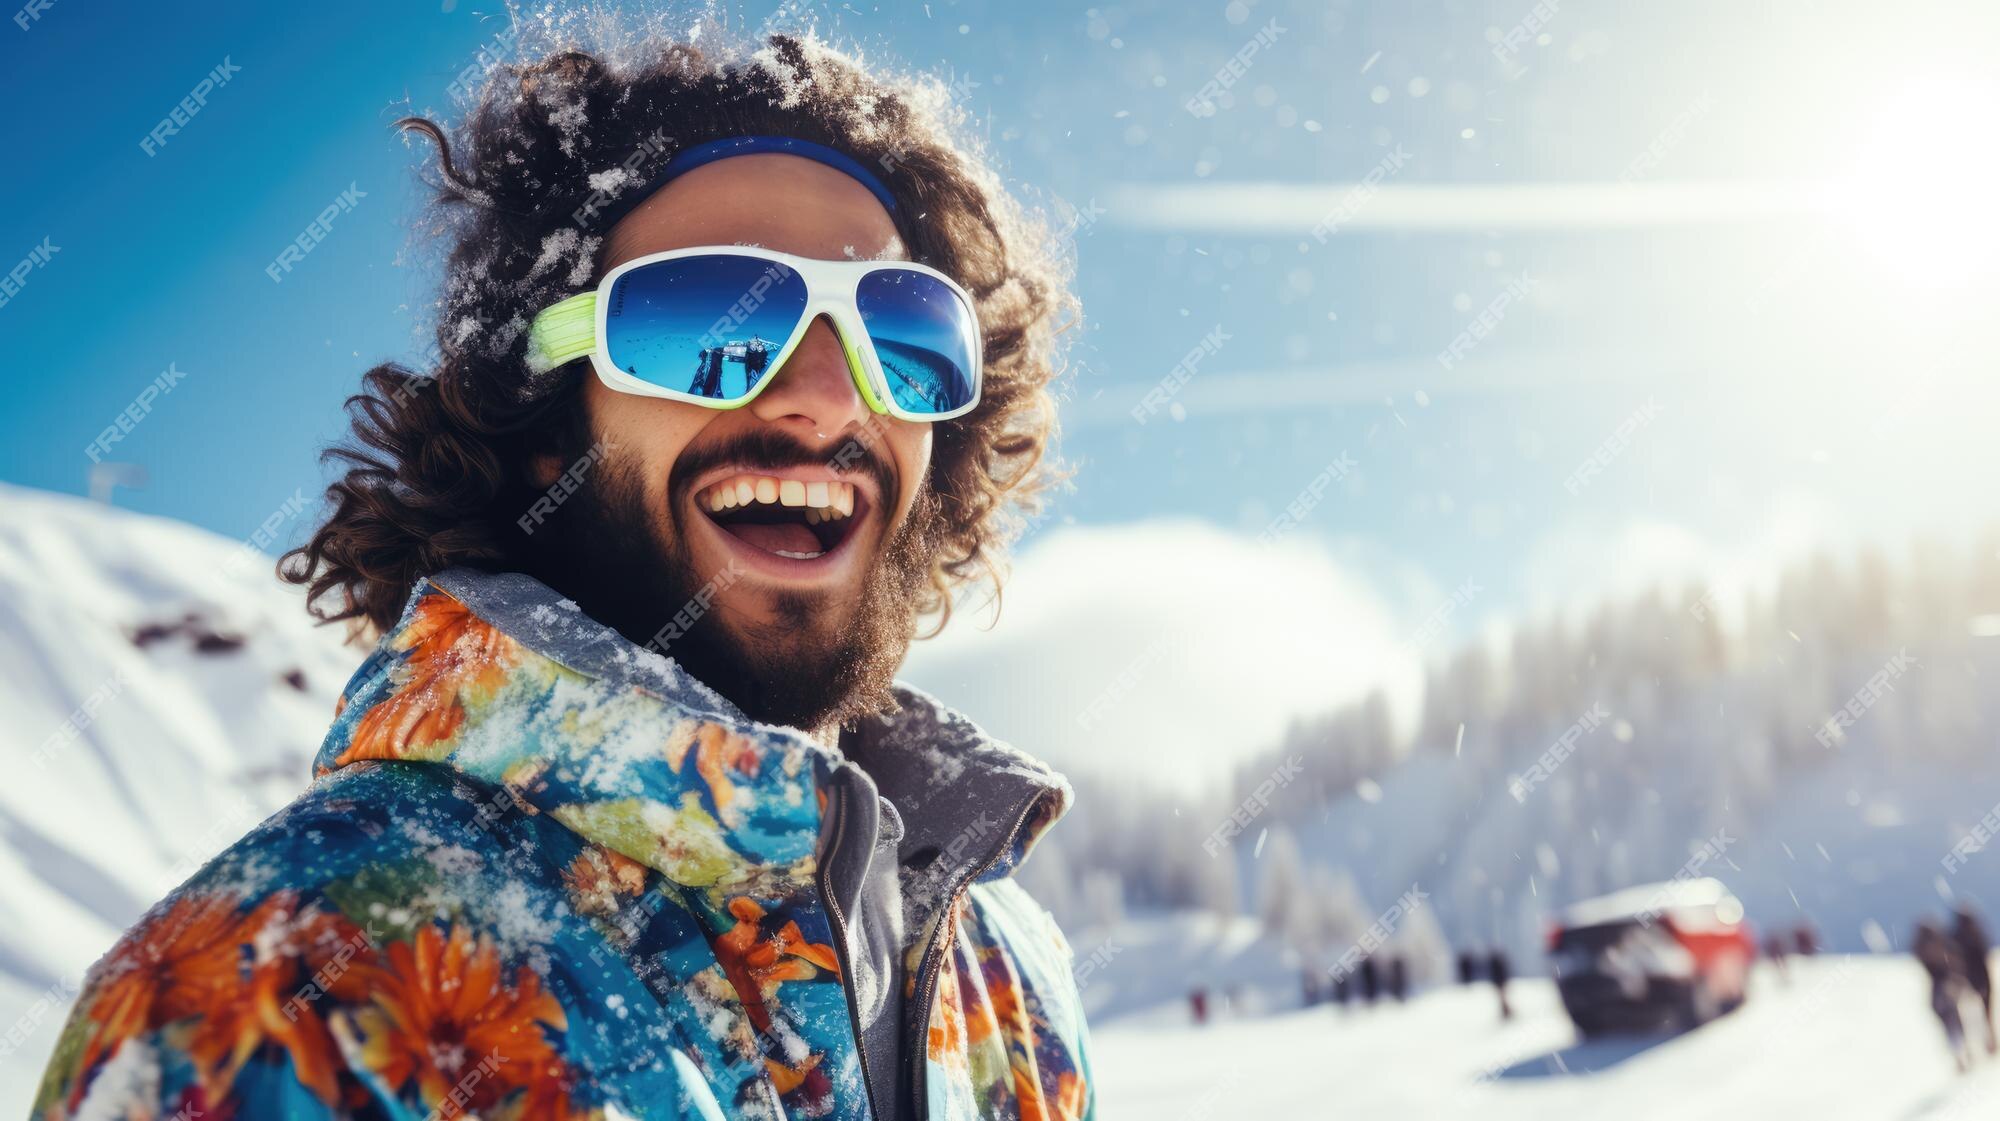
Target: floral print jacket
<point>541,873</point>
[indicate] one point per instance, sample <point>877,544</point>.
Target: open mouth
<point>789,518</point>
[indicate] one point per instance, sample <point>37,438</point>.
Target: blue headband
<point>690,158</point>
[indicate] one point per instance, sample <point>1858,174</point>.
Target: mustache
<point>854,453</point>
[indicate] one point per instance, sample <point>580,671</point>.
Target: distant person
<point>1309,991</point>
<point>1939,957</point>
<point>1343,987</point>
<point>1774,948</point>
<point>1807,939</point>
<point>1468,967</point>
<point>1974,949</point>
<point>1371,981</point>
<point>1198,1005</point>
<point>1399,978</point>
<point>1497,970</point>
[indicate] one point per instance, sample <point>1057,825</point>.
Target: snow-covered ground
<point>1846,1037</point>
<point>160,693</point>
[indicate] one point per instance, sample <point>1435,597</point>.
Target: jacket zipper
<point>835,793</point>
<point>917,1049</point>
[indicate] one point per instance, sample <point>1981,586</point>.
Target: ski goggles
<point>712,326</point>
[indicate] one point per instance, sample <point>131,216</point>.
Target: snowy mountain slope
<point>1851,838</point>
<point>160,693</point>
<point>1603,747</point>
<point>1844,1038</point>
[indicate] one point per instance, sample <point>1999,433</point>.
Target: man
<point>1499,970</point>
<point>624,817</point>
<point>1974,950</point>
<point>1938,954</point>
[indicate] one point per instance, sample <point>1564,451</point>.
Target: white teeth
<point>823,501</point>
<point>797,556</point>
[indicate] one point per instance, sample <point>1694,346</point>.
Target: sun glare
<point>1920,192</point>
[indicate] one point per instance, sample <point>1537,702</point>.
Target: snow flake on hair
<point>466,327</point>
<point>555,246</point>
<point>585,265</point>
<point>567,246</point>
<point>613,179</point>
<point>503,339</point>
<point>566,115</point>
<point>794,83</point>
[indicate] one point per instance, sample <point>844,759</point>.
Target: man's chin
<point>792,658</point>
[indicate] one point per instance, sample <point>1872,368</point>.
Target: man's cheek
<point>911,459</point>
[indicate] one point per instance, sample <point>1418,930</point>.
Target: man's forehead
<point>771,200</point>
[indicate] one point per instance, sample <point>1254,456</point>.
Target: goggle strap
<point>564,332</point>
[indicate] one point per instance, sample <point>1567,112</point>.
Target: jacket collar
<point>498,677</point>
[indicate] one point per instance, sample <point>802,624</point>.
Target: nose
<point>813,393</point>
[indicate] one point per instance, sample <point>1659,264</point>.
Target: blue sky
<point>1735,254</point>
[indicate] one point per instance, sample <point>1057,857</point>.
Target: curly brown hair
<point>438,464</point>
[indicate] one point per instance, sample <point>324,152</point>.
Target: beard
<point>820,657</point>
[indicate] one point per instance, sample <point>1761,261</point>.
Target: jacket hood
<point>501,679</point>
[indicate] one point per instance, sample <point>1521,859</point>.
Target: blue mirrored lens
<point>925,336</point>
<point>710,326</point>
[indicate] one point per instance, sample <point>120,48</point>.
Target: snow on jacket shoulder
<point>542,874</point>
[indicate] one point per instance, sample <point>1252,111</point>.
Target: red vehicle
<point>1671,955</point>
